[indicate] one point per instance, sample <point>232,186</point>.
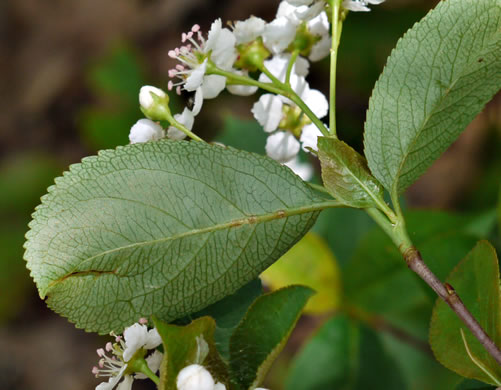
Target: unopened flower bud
<point>154,102</point>
<point>194,377</point>
<point>145,130</point>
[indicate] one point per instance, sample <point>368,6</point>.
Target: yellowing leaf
<point>311,263</point>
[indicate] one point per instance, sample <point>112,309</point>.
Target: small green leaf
<point>476,280</point>
<point>263,332</point>
<point>438,78</point>
<point>346,176</point>
<point>342,355</point>
<point>162,228</point>
<point>181,348</point>
<point>228,313</point>
<point>310,263</point>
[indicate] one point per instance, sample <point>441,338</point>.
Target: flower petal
<point>303,170</point>
<point>213,85</point>
<point>126,384</point>
<point>309,137</point>
<point>282,146</point>
<point>153,339</point>
<point>248,30</point>
<point>145,130</point>
<point>196,77</point>
<point>199,100</point>
<point>316,101</point>
<point>268,112</point>
<point>279,34</point>
<point>321,49</point>
<point>224,53</point>
<point>135,338</point>
<point>356,6</point>
<point>215,30</point>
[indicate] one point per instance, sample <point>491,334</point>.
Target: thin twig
<point>449,295</point>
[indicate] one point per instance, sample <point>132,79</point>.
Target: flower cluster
<point>137,340</point>
<point>280,49</point>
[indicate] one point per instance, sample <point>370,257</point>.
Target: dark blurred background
<point>70,75</point>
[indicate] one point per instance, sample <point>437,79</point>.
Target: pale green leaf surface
<point>346,175</point>
<point>438,78</point>
<point>476,280</point>
<point>163,229</point>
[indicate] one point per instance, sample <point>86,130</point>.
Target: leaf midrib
<point>235,223</point>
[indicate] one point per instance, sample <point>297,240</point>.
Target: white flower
<point>194,56</point>
<point>248,30</point>
<point>194,377</point>
<point>279,34</point>
<point>135,337</point>
<point>187,119</point>
<point>138,336</point>
<point>219,386</point>
<point>145,130</point>
<point>309,137</point>
<point>282,146</point>
<point>303,170</point>
<point>359,5</point>
<point>268,111</point>
<point>145,98</point>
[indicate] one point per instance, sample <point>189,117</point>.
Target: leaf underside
<point>163,229</point>
<point>345,174</point>
<point>438,78</point>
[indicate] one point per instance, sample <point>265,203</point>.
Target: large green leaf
<point>263,332</point>
<point>346,175</point>
<point>440,75</point>
<point>342,355</point>
<point>163,228</point>
<point>476,280</point>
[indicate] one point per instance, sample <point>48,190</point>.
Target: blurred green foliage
<point>23,180</point>
<point>114,81</point>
